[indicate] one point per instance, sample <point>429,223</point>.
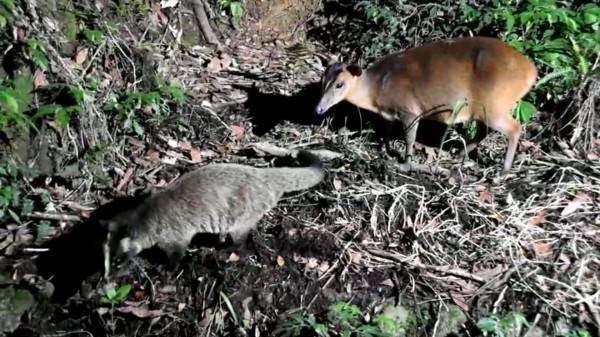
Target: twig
<point>418,265</point>
<point>54,216</point>
<point>415,167</point>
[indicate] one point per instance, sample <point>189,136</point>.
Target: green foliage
<point>501,325</point>
<point>93,36</point>
<point>115,296</point>
<point>37,53</point>
<point>562,40</point>
<point>524,111</point>
<point>155,100</point>
<point>6,12</point>
<point>13,202</point>
<point>342,319</point>
<point>579,333</point>
<point>234,9</point>
<point>15,97</point>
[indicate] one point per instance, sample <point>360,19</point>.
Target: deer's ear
<point>354,69</point>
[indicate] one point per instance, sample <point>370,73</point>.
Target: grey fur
<point>217,198</point>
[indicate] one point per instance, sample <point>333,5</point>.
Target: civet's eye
<point>339,85</point>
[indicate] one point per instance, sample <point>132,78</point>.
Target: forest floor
<point>438,251</point>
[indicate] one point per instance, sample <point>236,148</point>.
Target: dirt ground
<point>370,233</point>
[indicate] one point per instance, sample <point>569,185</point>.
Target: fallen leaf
<point>81,56</point>
<point>312,263</point>
<point>158,14</point>
<point>580,199</point>
<point>337,184</point>
<point>172,143</point>
<point>226,60</point>
<point>540,218</point>
<point>152,155</point>
<point>541,249</point>
<point>185,145</point>
<point>460,300</point>
<point>324,266</point>
<point>39,79</point>
<point>387,282</point>
<point>125,179</point>
<point>237,132</point>
<point>485,196</point>
<point>214,65</point>
<point>280,261</point>
<point>140,311</point>
<point>139,294</point>
<point>233,257</point>
<point>355,257</point>
<point>431,154</point>
<point>180,307</point>
<point>195,155</point>
<point>168,3</point>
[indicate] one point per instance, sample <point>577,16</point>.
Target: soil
<point>371,233</point>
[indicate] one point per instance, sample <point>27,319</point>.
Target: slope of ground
<point>371,233</point>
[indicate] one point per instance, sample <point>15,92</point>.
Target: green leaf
<point>525,111</point>
<point>111,293</point>
<point>488,324</point>
<point>9,103</point>
<point>62,118</point>
<point>122,292</point>
<point>236,9</point>
<point>93,36</point>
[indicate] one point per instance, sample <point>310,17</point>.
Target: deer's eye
<point>339,85</point>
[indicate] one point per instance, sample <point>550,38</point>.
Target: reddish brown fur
<point>427,81</point>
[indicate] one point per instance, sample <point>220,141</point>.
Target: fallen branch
<point>273,150</point>
<point>54,216</point>
<point>203,23</point>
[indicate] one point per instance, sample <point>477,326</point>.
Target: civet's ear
<point>354,69</point>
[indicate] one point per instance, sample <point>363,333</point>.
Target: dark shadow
<point>268,110</point>
<point>77,255</point>
<point>74,256</point>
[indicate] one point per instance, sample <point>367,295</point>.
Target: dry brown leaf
<point>180,307</point>
<point>152,155</point>
<point>185,145</point>
<point>81,56</point>
<point>214,65</point>
<point>580,199</point>
<point>280,261</point>
<point>195,155</point>
<point>540,218</point>
<point>355,257</point>
<point>485,196</point>
<point>140,311</point>
<point>323,267</point>
<point>460,300</point>
<point>387,282</point>
<point>541,249</point>
<point>431,153</point>
<point>233,258</point>
<point>158,14</point>
<point>237,132</point>
<point>39,79</point>
<point>312,263</point>
<point>337,184</point>
<point>125,179</point>
<point>226,60</point>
